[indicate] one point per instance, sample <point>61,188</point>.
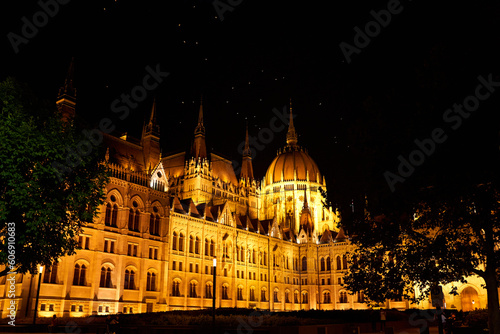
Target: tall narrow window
<point>114,215</point>
<point>176,289</point>
<point>252,294</point>
<point>304,263</point>
<point>322,264</point>
<point>174,241</point>
<point>208,290</point>
<point>191,244</point>
<point>344,262</point>
<point>328,264</point>
<point>129,280</point>
<point>192,290</point>
<point>157,225</point>
<point>224,292</point>
<point>339,264</point>
<point>131,219</point>
<point>50,274</point>
<point>105,281</point>
<point>212,248</point>
<point>197,246</point>
<point>181,242</point>
<point>136,220</point>
<point>107,217</point>
<point>79,274</point>
<point>151,282</point>
<point>207,247</point>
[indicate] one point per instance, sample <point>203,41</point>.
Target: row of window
<point>106,277</point>
<point>111,215</point>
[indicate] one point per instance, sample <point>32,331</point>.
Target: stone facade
<point>166,218</point>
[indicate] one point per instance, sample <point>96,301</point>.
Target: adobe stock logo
<point>454,118</point>
<point>362,39</point>
<point>29,29</point>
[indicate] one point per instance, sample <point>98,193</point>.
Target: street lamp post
<point>214,295</point>
<point>37,293</point>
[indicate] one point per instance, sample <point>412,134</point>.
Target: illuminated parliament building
<point>165,219</point>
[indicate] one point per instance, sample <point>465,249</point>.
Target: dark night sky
<point>260,56</point>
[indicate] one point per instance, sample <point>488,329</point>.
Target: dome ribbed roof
<point>290,161</point>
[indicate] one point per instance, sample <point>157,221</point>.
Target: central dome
<point>293,162</point>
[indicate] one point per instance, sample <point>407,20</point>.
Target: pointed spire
<point>246,165</point>
<point>291,136</point>
<point>66,99</point>
<point>200,128</point>
<point>199,149</point>
<point>67,88</point>
<point>246,150</point>
<point>152,128</point>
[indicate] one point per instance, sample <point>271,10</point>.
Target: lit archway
<point>470,299</point>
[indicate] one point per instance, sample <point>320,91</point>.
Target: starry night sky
<point>362,113</point>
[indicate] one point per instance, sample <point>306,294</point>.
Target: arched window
<point>304,263</point>
<point>197,246</point>
<point>207,247</point>
<point>237,253</point>
<point>263,295</point>
<point>151,281</point>
<point>275,296</point>
<point>192,290</point>
<point>131,219</point>
<point>305,297</point>
<point>322,264</point>
<point>239,293</point>
<point>254,256</point>
<point>343,297</point>
<point>224,250</point>
<point>328,264</point>
<point>151,224</point>
<point>212,248</point>
<point>242,254</point>
<point>176,288</point>
<point>129,279</point>
<point>174,241</point>
<point>107,217</point>
<point>191,244</point>
<point>208,290</point>
<point>105,281</point>
<point>326,297</point>
<point>344,262</point>
<point>114,215</point>
<point>224,292</point>
<point>79,274</point>
<point>339,265</point>
<point>287,296</point>
<point>181,242</point>
<point>252,294</point>
<point>296,297</point>
<point>136,220</point>
<point>154,224</point>
<point>361,297</point>
<point>50,274</point>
